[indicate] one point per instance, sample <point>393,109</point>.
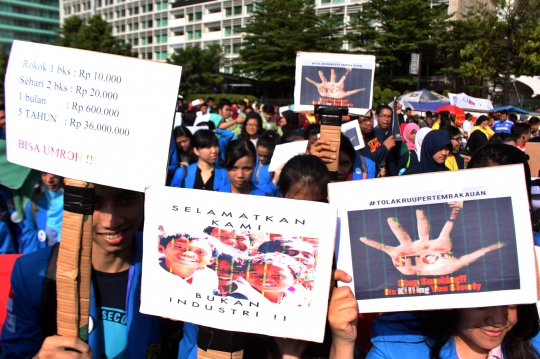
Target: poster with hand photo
<point>237,262</point>
<point>429,248</point>
<point>336,79</point>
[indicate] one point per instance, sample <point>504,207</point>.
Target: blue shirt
<point>503,127</point>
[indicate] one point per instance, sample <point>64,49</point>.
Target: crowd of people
<point>230,151</point>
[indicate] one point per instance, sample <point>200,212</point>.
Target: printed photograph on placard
<point>345,86</point>
<point>442,248</point>
<point>247,265</point>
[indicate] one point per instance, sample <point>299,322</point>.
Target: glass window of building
<point>238,10</point>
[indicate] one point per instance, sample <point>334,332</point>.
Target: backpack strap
<point>47,309</point>
<point>36,197</point>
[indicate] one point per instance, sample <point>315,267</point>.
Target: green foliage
<point>198,66</point>
<point>4,55</point>
<point>392,30</point>
<point>383,97</point>
<point>505,36</point>
<point>277,30</point>
<point>94,34</point>
<point>217,97</point>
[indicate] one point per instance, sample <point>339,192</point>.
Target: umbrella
<point>509,109</point>
<point>454,110</point>
<point>423,96</point>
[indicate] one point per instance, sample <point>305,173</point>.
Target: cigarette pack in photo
<point>237,262</point>
<point>453,242</point>
<point>352,131</point>
<point>333,79</point>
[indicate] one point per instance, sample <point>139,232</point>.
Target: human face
<point>225,111</point>
<point>184,255</point>
<point>264,155</point>
<point>240,174</point>
<point>303,193</point>
<point>117,215</point>
<point>441,155</point>
<point>267,116</point>
<point>302,251</point>
<point>412,136</point>
<point>384,119</point>
<point>270,277</point>
<point>252,127</point>
<point>52,182</point>
<point>456,143</point>
<point>482,329</point>
<point>227,271</point>
<point>183,143</point>
<point>283,121</point>
<point>408,113</point>
<point>208,154</point>
<point>534,126</point>
<point>366,124</point>
<point>312,139</point>
<point>344,167</point>
<point>524,138</point>
<point>503,117</point>
<point>203,109</point>
<point>210,103</point>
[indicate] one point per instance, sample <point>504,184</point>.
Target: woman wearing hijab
<point>409,158</point>
<point>435,149</point>
<point>420,134</point>
<point>482,124</point>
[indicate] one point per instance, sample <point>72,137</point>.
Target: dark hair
<point>534,120</point>
<point>223,102</point>
<point>445,119</point>
<point>476,140</point>
<point>312,129</point>
<point>210,99</point>
<point>513,117</point>
<point>305,171</point>
<point>182,131</point>
<point>204,139</point>
<point>241,103</point>
<point>347,148</point>
<point>249,116</point>
<point>268,139</point>
<point>211,126</point>
<point>516,342</point>
<point>382,107</point>
<point>292,121</point>
<point>500,154</point>
<point>237,149</point>
<point>502,137</point>
<point>429,114</point>
<point>268,109</point>
<point>189,117</point>
<point>291,136</point>
<point>481,119</point>
<point>520,129</point>
<point>468,115</point>
<point>408,109</point>
<point>451,130</point>
<point>273,246</point>
<point>2,106</point>
<point>503,112</point>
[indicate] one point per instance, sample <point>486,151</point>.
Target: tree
<point>506,30</point>
<point>276,32</point>
<point>198,66</point>
<point>392,30</point>
<point>94,34</point>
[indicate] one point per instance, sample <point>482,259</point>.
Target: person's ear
<point>196,151</point>
<point>161,249</point>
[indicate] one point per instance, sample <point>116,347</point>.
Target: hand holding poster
<point>90,116</point>
<point>434,248</point>
<point>334,79</point>
<point>236,262</point>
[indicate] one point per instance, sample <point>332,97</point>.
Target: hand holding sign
<point>425,256</point>
<point>333,89</point>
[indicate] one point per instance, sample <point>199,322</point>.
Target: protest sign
<point>237,262</point>
<point>90,116</point>
<point>286,151</point>
<point>334,79</point>
<point>453,242</point>
<point>352,131</point>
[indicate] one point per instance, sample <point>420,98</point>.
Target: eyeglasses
<point>252,125</point>
<point>458,138</point>
<point>365,121</point>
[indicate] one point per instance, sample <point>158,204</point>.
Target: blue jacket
<point>220,177</point>
<point>173,160</point>
<point>225,136</point>
<point>22,335</point>
<point>7,245</point>
<point>30,241</point>
<point>265,181</point>
<point>254,190</point>
<point>358,172</point>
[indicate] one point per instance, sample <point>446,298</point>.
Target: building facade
<point>29,20</point>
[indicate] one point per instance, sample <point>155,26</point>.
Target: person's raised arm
<point>343,317</point>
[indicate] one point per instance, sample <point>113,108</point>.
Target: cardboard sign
<point>94,117</point>
<point>334,79</point>
<point>237,262</point>
<point>467,243</point>
<point>352,131</point>
<point>283,153</point>
<point>533,150</point>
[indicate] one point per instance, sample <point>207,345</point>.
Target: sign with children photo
<point>240,263</point>
<point>458,245</point>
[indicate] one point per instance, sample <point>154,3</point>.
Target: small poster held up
<point>460,245</point>
<point>237,262</point>
<point>335,80</point>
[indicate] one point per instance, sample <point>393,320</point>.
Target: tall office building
<point>29,20</point>
<point>157,28</point>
